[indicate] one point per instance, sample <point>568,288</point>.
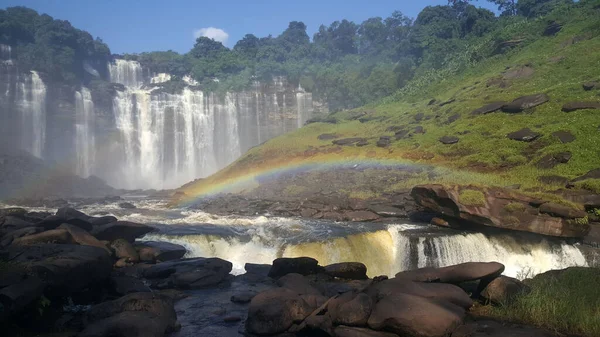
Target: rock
<point>190,273</point>
<point>488,108</point>
<point>60,236</point>
<point>18,296</point>
<point>103,220</point>
<point>552,29</point>
<point>274,311</point>
<point>492,209</point>
<point>298,265</point>
<point>13,211</point>
<point>384,141</point>
<point>82,237</point>
<point>442,292</point>
<point>70,213</point>
<point>440,222</point>
<point>63,268</point>
<point>8,238</point>
<point>150,251</point>
<point>124,285</point>
<point>127,205</point>
<point>135,315</point>
<point>327,136</point>
<point>347,331</point>
<point>525,102</point>
<point>12,223</point>
<point>124,250</point>
<point>591,85</point>
<point>524,135</point>
<point>419,117</point>
<point>519,72</point>
<point>402,134</point>
<point>121,230</point>
<point>362,143</point>
<point>298,283</point>
<point>410,315</point>
<point>483,328</point>
<point>592,174</point>
<point>573,106</point>
<point>257,269</point>
<point>388,211</point>
<point>450,101</point>
<point>351,309</point>
<point>453,119</point>
<point>503,289</point>
<point>551,160</point>
<point>308,212</point>
<point>348,141</point>
<point>553,180</point>
<point>419,130</point>
<point>243,297</point>
<point>347,270</point>
<point>564,136</point>
<point>51,222</point>
<point>360,216</point>
<point>449,140</point>
<point>561,211</point>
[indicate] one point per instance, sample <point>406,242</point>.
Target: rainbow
<point>225,182</point>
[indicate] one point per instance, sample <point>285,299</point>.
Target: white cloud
<point>216,34</point>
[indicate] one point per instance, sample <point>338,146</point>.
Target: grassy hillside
<point>554,65</point>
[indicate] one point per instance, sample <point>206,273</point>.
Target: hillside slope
<point>408,127</point>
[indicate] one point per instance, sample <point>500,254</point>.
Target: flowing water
<point>84,132</point>
<point>31,103</point>
<point>384,248</point>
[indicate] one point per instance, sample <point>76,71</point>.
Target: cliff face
<point>146,134</point>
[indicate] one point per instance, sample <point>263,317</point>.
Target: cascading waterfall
<point>303,106</point>
<point>31,102</point>
<point>388,251</point>
<point>128,73</point>
<point>84,132</point>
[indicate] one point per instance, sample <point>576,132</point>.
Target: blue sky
<point>133,26</point>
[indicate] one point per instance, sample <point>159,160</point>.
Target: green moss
<point>514,207</point>
<point>580,221</point>
<point>471,197</point>
<point>568,303</point>
<point>511,220</point>
<point>592,185</point>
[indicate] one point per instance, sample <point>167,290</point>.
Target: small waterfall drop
<point>31,101</point>
<point>128,73</point>
<point>85,144</point>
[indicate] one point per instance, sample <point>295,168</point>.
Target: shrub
<point>471,198</point>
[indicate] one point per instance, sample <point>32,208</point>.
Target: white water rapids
<point>384,249</point>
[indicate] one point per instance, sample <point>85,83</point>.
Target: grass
<point>568,303</point>
<point>471,198</point>
<point>590,185</point>
<point>484,156</point>
<point>514,207</point>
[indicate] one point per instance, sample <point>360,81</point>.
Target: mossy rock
<point>469,197</point>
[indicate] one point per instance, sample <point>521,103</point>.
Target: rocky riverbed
<point>78,275</point>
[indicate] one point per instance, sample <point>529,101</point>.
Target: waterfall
<point>304,107</point>
<point>160,78</point>
<point>84,133</point>
<point>6,53</point>
<point>387,251</point>
<point>31,102</point>
<point>128,73</point>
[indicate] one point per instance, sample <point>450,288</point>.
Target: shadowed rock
<point>298,265</point>
<point>347,270</point>
<point>564,136</point>
<point>574,106</point>
<point>463,272</point>
<point>591,85</point>
<point>488,108</point>
<point>327,136</point>
<point>449,140</point>
<point>126,230</point>
<point>348,141</point>
<point>551,160</point>
<point>525,102</point>
<point>189,273</point>
<point>503,290</point>
<point>274,311</point>
<point>151,251</point>
<point>524,135</point>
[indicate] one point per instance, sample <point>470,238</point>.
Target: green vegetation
<point>471,198</point>
<point>567,303</point>
<point>514,207</point>
<point>590,185</point>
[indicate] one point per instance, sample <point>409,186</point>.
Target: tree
<point>247,46</point>
<point>207,48</point>
<point>506,7</point>
<point>373,36</point>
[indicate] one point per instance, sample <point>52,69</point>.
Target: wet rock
<point>70,213</point>
<point>496,329</point>
<point>298,283</point>
<point>347,270</point>
<point>360,216</point>
<point>275,311</point>
<point>525,102</point>
<point>503,289</point>
<point>298,265</point>
<point>257,269</point>
<point>64,268</point>
<point>243,297</point>
<point>449,140</point>
<point>189,273</point>
<point>18,296</point>
<point>564,136</point>
<point>574,106</point>
<point>440,222</point>
<point>124,285</point>
<point>126,230</point>
<point>347,331</point>
<point>488,108</point>
<point>150,251</point>
<point>50,222</point>
<point>9,237</point>
<point>388,211</point>
<point>127,205</point>
<point>490,207</point>
<point>12,223</point>
<point>124,250</point>
<point>82,237</point>
<point>13,211</point>
<point>60,236</point>
<point>406,314</point>
<point>524,135</point>
<point>327,136</point>
<point>348,141</point>
<point>442,292</point>
<point>351,309</point>
<point>103,220</point>
<point>463,272</point>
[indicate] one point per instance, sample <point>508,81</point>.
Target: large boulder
<point>189,273</point>
<point>347,270</point>
<point>435,291</point>
<point>63,268</point>
<point>151,251</point>
<point>124,250</point>
<point>503,289</point>
<point>299,284</point>
<point>82,237</point>
<point>410,315</point>
<point>486,109</point>
<point>60,236</point>
<point>121,230</point>
<point>274,311</point>
<point>19,295</point>
<point>299,265</point>
<point>351,309</point>
<point>469,271</point>
<point>497,207</point>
